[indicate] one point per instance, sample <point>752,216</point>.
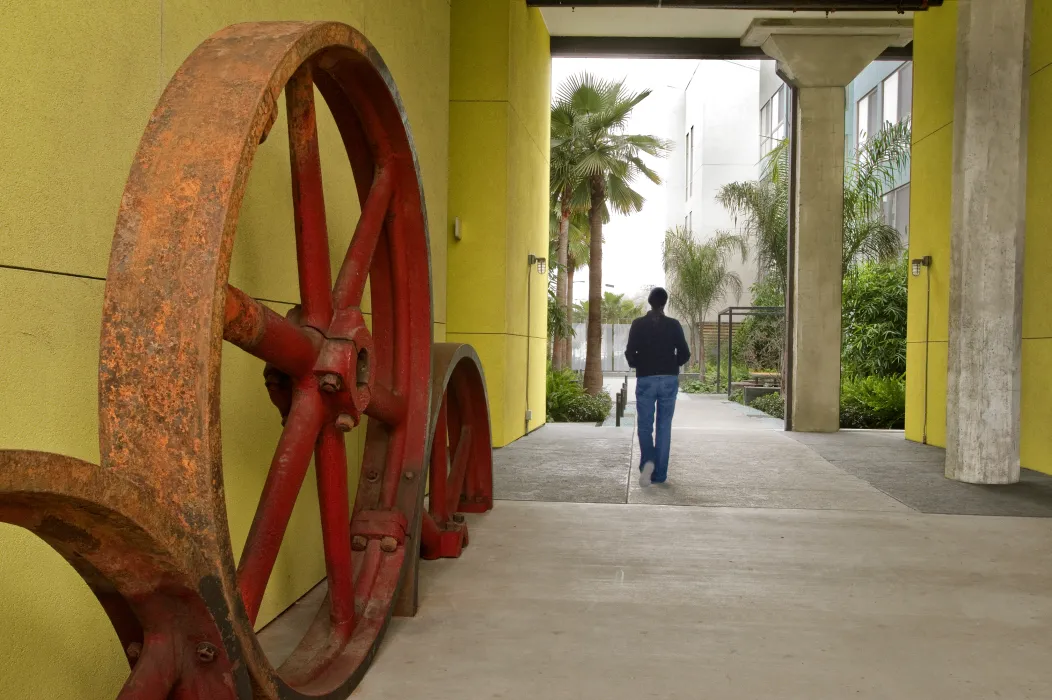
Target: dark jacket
<point>656,346</point>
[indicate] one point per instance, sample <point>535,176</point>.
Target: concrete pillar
<point>986,249</point>
<point>820,58</point>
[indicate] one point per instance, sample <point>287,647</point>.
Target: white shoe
<point>644,476</point>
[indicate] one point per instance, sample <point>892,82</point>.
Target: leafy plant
<point>737,396</point>
<point>567,401</point>
<point>873,403</point>
<point>759,342</point>
<point>761,207</point>
<point>771,404</point>
<point>874,319</point>
<point>698,273</point>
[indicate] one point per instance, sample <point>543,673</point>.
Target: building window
<point>896,206</point>
<point>687,157</point>
<point>690,222</point>
<point>686,223</point>
<point>690,185</point>
<point>774,121</point>
<point>898,94</point>
<point>868,117</point>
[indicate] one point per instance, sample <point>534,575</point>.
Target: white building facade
<point>717,142</point>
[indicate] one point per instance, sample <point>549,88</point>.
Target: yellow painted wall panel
<point>1041,36</point>
<point>934,58</point>
<point>79,82</point>
<point>1036,408</point>
<point>491,349</point>
<point>1037,284</point>
<point>478,184</point>
<point>530,72</point>
<point>479,57</point>
<point>936,390</point>
<point>527,231</point>
<point>931,189</point>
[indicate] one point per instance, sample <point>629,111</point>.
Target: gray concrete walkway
<point>798,575</point>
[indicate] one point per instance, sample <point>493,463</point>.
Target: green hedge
<point>873,402</point>
<point>568,402</point>
<point>771,404</point>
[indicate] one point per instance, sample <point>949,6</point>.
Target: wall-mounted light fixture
<point>542,263</point>
<point>456,228</point>
<point>917,263</point>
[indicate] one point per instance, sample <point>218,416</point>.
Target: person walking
<point>656,350</point>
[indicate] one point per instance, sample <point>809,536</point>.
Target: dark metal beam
<point>676,47</point>
<point>794,5</point>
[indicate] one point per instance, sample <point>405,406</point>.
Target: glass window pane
<point>905,91</point>
<point>891,98</point>
<point>863,119</point>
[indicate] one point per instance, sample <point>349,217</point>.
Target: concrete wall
<point>498,164</point>
<point>934,60</point>
<point>80,80</point>
<point>720,103</point>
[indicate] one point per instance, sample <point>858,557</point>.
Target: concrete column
<point>820,58</point>
<point>986,249</point>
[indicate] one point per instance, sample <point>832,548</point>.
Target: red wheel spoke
<point>363,584</point>
<point>284,480</point>
<point>331,466</point>
<point>259,331</point>
<point>350,283</point>
<point>308,197</point>
<point>386,406</point>
<point>458,471</point>
<point>154,674</point>
<point>439,469</point>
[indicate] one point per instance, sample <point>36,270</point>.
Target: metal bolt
<point>372,476</point>
<point>388,544</point>
<point>345,422</point>
<point>458,517</point>
<point>206,652</point>
<point>409,476</point>
<point>134,650</point>
<point>330,382</point>
<point>358,543</point>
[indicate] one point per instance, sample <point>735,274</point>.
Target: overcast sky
<point>632,254</point>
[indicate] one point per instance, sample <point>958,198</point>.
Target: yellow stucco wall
<point>498,187</point>
<point>80,81</point>
<point>934,54</point>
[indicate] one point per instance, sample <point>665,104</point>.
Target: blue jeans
<point>655,395</point>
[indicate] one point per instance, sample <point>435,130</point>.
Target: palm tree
<point>761,207</point>
<point>569,196</point>
<point>576,258</point>
<point>698,274</point>
<point>607,161</point>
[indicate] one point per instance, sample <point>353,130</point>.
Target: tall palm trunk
<point>567,349</point>
<point>593,370</point>
<point>701,349</point>
<point>559,352</point>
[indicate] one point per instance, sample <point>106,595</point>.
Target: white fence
<point>615,338</point>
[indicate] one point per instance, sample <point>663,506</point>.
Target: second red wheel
<point>461,454</point>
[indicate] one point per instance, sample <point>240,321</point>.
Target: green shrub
<point>568,402</point>
<point>771,404</point>
<point>760,340</point>
<point>874,320</point>
<point>873,403</point>
<point>737,396</point>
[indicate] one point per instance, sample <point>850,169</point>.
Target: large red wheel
<point>461,453</point>
<point>148,529</point>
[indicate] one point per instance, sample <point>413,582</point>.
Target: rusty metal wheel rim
<point>460,450</point>
<point>168,308</point>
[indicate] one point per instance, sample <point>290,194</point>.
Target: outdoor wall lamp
<point>542,263</point>
<point>917,263</point>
